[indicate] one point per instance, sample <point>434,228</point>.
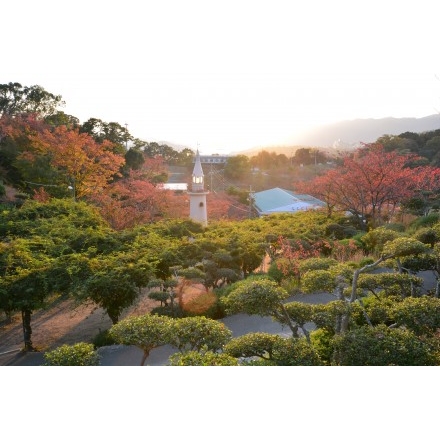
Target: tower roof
<point>198,171</point>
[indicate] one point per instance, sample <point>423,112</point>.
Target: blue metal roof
<point>282,200</point>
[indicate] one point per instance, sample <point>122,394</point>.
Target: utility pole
<point>126,137</point>
<point>250,201</point>
<point>211,188</point>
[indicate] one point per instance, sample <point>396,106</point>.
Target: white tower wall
<point>197,195</point>
<point>197,208</point>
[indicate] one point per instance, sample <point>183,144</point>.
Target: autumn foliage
<point>88,166</point>
<point>372,183</point>
<point>290,254</point>
<point>131,201</point>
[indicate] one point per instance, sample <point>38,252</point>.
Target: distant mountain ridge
<point>354,132</point>
<point>342,135</point>
<point>350,134</point>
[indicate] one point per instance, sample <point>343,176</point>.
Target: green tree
<point>261,296</point>
<point>113,281</point>
<point>81,354</point>
<point>375,239</point>
<point>253,345</point>
<point>338,278</point>
<point>111,132</point>
<point>25,282</point>
<point>61,118</point>
<point>167,153</point>
<point>420,315</point>
<point>381,346</point>
<point>17,99</point>
<point>430,150</point>
<point>199,333</point>
<point>308,156</point>
<point>265,349</point>
<point>45,246</point>
<point>390,283</point>
<point>296,352</point>
<point>206,359</point>
<point>185,157</point>
<point>145,332</point>
<point>237,167</point>
<point>134,159</point>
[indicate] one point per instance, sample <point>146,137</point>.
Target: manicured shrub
<point>322,340</point>
<point>81,354</point>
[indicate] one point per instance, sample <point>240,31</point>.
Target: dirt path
<point>63,323</point>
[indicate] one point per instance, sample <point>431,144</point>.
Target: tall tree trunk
<point>172,294</point>
<point>293,327</point>
<point>144,356</point>
<point>399,266</point>
<point>306,333</point>
<point>27,330</point>
<point>339,292</point>
<point>346,317</point>
<point>114,317</point>
<point>413,290</point>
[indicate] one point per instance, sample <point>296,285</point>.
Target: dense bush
<point>425,221</point>
<point>322,342</point>
<point>194,358</point>
<point>172,312</point>
<point>382,346</point>
<point>80,354</point>
<point>102,339</point>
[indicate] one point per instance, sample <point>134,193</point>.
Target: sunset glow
<point>231,76</point>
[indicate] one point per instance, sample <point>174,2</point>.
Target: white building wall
<point>197,207</point>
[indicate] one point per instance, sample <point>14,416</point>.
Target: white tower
<point>197,195</point>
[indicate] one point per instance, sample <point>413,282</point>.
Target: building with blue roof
<point>278,200</point>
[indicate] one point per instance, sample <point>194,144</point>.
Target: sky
<point>226,76</point>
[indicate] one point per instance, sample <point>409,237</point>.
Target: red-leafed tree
<point>289,254</point>
<point>426,188</point>
<point>370,184</point>
<point>154,170</point>
<point>132,201</point>
<point>222,206</point>
<point>19,127</point>
<point>87,166</point>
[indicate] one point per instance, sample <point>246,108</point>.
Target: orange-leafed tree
<point>370,184</point>
<point>131,201</point>
<point>222,206</point>
<point>178,205</point>
<point>86,165</point>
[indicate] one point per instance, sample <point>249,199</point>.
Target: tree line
<point>33,128</point>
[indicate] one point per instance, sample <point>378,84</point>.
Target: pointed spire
<point>198,166</point>
<point>197,175</point>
